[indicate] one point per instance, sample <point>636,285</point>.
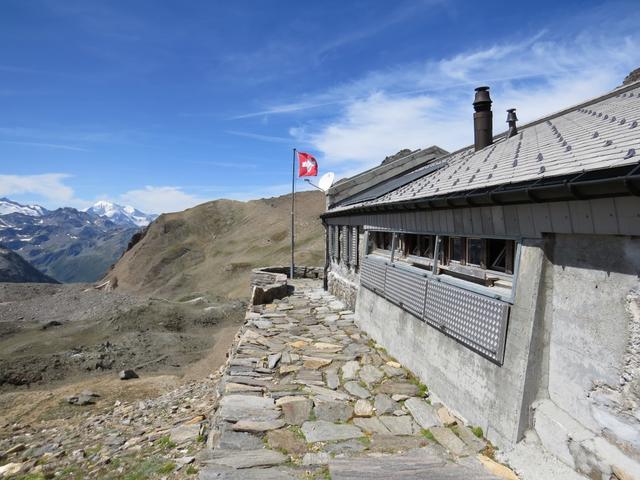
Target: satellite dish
<point>326,181</point>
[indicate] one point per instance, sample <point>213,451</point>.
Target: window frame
<point>440,263</point>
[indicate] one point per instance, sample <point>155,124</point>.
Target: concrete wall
<point>480,391</point>
<point>572,358</point>
<point>589,412</point>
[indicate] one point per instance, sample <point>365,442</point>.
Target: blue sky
<point>166,104</point>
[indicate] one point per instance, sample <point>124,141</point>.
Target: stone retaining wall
<point>270,283</point>
<point>344,289</point>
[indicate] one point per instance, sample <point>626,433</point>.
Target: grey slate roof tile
<point>603,133</point>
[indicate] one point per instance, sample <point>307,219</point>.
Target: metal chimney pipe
<point>482,118</point>
<point>511,120</point>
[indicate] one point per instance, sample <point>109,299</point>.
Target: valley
<point>168,309</point>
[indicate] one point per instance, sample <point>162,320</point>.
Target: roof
<point>602,133</point>
<point>345,190</point>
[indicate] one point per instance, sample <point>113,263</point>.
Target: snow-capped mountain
<point>9,206</point>
<point>66,244</point>
<point>121,215</point>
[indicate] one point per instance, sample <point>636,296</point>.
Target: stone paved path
<point>306,394</point>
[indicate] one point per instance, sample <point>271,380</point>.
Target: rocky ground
<point>304,394</point>
<point>62,333</point>
<point>64,411</point>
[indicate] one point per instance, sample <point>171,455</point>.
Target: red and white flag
<point>308,165</point>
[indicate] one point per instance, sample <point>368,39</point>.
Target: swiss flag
<point>308,165</point>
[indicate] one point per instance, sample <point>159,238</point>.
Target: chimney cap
<point>511,115</point>
<point>482,100</point>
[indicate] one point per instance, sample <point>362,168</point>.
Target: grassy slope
<point>211,248</point>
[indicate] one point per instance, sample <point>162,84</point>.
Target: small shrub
<point>167,468</point>
<point>165,442</point>
<point>191,470</point>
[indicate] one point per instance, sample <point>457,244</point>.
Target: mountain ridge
<point>65,244</point>
<point>15,269</point>
<point>212,247</point>
<point>121,214</point>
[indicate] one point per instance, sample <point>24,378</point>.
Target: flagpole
<point>293,206</point>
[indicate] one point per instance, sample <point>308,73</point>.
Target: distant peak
<point>124,215</point>
<point>8,206</point>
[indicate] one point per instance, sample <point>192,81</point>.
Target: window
<point>380,243</point>
<point>456,249</point>
<point>486,261</point>
<point>415,250</point>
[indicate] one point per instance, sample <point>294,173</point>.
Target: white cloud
<point>49,186</point>
<point>418,105</point>
<point>151,199</point>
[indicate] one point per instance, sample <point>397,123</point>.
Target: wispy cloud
<point>218,164</point>
<point>417,105</point>
<point>290,108</point>
<point>50,186</point>
<point>55,146</point>
<point>257,136</point>
<point>160,199</point>
<point>73,138</point>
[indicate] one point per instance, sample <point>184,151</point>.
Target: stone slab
<point>296,411</point>
<point>221,472</point>
<point>350,370</point>
<point>384,404</point>
<point>400,425</point>
<point>371,425</point>
<point>247,458</point>
<point>418,464</point>
<point>252,426</point>
<point>332,379</point>
<point>357,390</point>
<point>472,442</point>
<point>370,374</point>
<point>423,413</point>
<point>396,443</point>
<point>247,407</point>
<point>398,388</point>
<point>449,440</point>
<point>333,411</point>
<point>230,440</point>
<point>322,431</point>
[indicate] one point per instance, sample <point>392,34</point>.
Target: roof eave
<point>622,181</point>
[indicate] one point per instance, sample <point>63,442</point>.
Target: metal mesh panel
<point>407,289</point>
<point>475,320</point>
<point>372,275</point>
<point>354,246</point>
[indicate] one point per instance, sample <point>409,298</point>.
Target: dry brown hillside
<point>211,248</point>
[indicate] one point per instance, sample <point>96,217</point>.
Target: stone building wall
<point>343,282</point>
